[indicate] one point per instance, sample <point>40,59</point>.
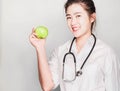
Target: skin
<point>79,23</point>
<point>45,76</point>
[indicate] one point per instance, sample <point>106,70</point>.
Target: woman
<point>89,65</point>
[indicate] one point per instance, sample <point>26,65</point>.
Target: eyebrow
<point>74,13</point>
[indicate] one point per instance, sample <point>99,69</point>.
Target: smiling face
<point>78,20</point>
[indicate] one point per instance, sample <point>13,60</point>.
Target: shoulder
<point>64,46</point>
<point>101,46</point>
<point>108,55</point>
<point>105,52</point>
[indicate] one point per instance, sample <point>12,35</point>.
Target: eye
<point>78,16</point>
<point>68,17</point>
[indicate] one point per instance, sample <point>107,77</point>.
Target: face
<point>79,22</point>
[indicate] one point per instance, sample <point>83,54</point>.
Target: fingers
<point>33,30</point>
<point>32,35</point>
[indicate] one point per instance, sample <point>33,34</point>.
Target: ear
<point>93,17</point>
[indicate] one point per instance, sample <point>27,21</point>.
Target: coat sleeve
<point>54,67</point>
<point>112,72</point>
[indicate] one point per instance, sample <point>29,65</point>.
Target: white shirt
<point>101,72</point>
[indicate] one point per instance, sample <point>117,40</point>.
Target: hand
<point>36,42</point>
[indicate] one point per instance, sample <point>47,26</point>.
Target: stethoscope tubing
<point>80,71</point>
<point>90,51</point>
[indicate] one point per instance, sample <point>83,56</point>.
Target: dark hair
<point>87,4</point>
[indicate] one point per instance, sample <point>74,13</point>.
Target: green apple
<point>41,32</point>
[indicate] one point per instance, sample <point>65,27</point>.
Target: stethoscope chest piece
<point>78,73</point>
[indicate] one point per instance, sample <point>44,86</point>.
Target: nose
<point>73,21</point>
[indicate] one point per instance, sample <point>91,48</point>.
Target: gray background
<point>18,64</point>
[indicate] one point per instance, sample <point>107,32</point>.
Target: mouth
<point>74,29</point>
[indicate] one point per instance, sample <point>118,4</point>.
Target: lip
<point>75,28</point>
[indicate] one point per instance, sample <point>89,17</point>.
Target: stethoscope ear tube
<point>71,45</point>
<point>89,52</point>
<point>70,54</point>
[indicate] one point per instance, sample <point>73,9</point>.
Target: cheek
<point>68,23</point>
<point>85,22</point>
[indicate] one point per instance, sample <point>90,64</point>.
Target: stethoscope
<point>78,73</point>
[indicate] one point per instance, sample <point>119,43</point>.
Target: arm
<point>45,76</point>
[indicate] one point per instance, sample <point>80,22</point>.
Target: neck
<point>80,41</point>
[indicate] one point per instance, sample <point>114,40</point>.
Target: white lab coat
<point>101,72</point>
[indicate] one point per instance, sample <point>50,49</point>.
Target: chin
<point>76,35</point>
<point>79,35</point>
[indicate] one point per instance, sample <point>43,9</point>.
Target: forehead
<point>75,9</point>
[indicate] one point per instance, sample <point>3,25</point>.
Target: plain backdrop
<point>18,63</point>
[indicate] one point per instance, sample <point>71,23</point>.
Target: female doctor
<point>83,64</point>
